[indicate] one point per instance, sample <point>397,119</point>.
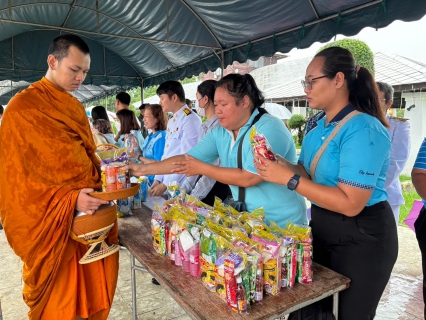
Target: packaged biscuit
<point>304,263</point>
<point>260,145</point>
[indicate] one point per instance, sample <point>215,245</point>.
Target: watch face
<point>292,184</point>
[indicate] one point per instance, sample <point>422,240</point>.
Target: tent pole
<point>141,90</point>
<point>223,64</point>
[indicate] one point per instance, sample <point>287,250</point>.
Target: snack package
<point>143,189</point>
<point>232,262</point>
<point>304,263</point>
<point>113,155</point>
<point>260,145</point>
<point>159,230</point>
<point>132,144</point>
<point>291,260</point>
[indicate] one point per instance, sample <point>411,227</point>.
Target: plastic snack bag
<point>260,145</point>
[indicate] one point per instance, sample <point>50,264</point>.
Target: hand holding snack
<point>260,145</point>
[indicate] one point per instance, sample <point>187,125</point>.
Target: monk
<point>47,168</point>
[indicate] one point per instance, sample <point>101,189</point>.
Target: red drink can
<point>110,178</point>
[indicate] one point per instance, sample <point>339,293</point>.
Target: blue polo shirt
<point>421,160</point>
<point>280,204</point>
<point>358,156</point>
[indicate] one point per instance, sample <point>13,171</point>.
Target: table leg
<point>133,282</point>
<point>336,305</point>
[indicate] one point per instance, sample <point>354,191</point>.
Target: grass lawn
<point>405,209</point>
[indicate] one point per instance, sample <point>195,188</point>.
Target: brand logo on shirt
<point>366,173</point>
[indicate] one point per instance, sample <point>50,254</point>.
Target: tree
<point>297,122</point>
<point>363,55</point>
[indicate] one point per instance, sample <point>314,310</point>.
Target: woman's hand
<point>158,189</point>
<point>190,167</point>
<point>136,169</point>
<point>273,171</point>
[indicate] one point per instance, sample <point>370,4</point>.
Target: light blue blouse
<point>358,156</point>
<point>280,204</point>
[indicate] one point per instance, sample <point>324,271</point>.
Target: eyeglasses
<point>308,84</point>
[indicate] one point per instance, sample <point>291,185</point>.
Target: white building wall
<point>417,118</point>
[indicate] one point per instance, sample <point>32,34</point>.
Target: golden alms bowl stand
<point>92,230</point>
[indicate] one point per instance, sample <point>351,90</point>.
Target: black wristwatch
<point>293,183</point>
<point>139,157</point>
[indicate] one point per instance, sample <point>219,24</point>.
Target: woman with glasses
<point>354,232</point>
<point>238,102</point>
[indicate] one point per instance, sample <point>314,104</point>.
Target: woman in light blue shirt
<point>238,102</point>
<point>155,120</point>
<point>354,231</point>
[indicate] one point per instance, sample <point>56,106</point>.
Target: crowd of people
<point>348,169</point>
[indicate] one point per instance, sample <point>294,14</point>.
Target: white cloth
<point>183,133</point>
<point>399,133</point>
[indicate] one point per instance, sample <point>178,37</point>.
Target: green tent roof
<point>150,41</point>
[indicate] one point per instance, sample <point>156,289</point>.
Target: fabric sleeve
<point>206,150</point>
<point>363,153</point>
<point>421,157</point>
<point>400,150</point>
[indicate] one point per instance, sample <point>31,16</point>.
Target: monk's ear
<point>52,62</point>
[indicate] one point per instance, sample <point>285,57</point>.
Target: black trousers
<point>420,226</point>
<point>363,248</point>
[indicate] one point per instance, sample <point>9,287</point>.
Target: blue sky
<point>407,39</point>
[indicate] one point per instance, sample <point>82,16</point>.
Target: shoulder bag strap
<point>319,153</point>
<point>241,190</point>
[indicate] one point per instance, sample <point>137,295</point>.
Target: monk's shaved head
<point>60,45</point>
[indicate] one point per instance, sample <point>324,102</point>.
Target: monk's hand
<point>273,171</point>
<point>88,204</point>
<point>158,190</point>
<point>190,167</point>
<point>135,169</point>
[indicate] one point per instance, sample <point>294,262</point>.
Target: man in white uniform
<point>183,131</point>
<point>399,133</point>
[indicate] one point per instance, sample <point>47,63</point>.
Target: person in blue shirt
<point>418,176</point>
<point>155,120</point>
<point>237,102</point>
<point>128,124</point>
<point>353,227</point>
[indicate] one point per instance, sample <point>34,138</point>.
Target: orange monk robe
<point>46,157</point>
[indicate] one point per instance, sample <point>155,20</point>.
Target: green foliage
<point>400,113</point>
<point>405,209</point>
<point>297,122</point>
<point>404,177</point>
<point>361,51</point>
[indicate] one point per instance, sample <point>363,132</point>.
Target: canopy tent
<point>85,93</point>
<point>144,43</point>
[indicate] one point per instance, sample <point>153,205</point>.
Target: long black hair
<point>99,112</point>
<point>363,93</point>
<point>207,88</point>
<point>239,86</point>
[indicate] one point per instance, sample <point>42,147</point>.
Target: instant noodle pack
<point>235,254</point>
